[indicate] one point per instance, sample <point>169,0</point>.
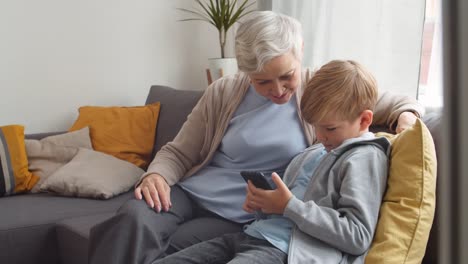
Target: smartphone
<point>258,179</point>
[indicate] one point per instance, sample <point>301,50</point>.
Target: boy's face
<point>331,132</point>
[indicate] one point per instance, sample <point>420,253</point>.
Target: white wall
<point>58,55</point>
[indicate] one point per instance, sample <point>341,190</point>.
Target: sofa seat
<point>28,226</point>
<point>73,237</point>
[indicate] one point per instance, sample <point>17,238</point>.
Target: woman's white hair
<point>264,36</point>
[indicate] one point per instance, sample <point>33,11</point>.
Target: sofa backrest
<point>176,105</point>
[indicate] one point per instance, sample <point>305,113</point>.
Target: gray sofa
<point>44,228</point>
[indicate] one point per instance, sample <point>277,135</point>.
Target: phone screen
<point>258,179</point>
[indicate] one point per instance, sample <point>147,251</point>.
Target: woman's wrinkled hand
<point>405,120</point>
<point>267,201</point>
<point>156,192</point>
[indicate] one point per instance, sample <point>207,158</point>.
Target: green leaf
<point>222,14</point>
<point>240,12</point>
<point>207,11</point>
<point>194,13</point>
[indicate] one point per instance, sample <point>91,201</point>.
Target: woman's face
<point>279,79</point>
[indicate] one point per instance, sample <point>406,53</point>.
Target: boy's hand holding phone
<point>267,201</point>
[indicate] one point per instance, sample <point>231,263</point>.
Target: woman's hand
<point>156,192</point>
<point>268,201</point>
<point>405,120</point>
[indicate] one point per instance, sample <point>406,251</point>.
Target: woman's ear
<point>366,119</point>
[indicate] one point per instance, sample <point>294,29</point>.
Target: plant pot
<point>221,67</point>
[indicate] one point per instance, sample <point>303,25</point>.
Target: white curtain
<point>384,35</point>
<point>432,93</point>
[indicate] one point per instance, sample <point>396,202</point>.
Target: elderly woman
<point>192,190</point>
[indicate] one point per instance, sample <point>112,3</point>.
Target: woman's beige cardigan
<point>201,134</point>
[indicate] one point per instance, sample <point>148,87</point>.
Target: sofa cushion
<point>176,105</point>
<point>47,155</point>
<point>407,211</point>
<point>28,223</point>
<point>14,174</point>
<point>25,210</point>
<point>93,174</point>
<point>73,237</point>
<point>34,244</point>
<point>126,133</point>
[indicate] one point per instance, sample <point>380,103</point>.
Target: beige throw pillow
<point>93,174</point>
<point>47,155</point>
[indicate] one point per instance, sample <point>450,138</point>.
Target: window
<point>430,79</point>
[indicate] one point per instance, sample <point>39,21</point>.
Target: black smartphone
<point>258,179</point>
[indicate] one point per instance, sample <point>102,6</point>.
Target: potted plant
<point>222,14</point>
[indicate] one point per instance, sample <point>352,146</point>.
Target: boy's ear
<point>366,119</point>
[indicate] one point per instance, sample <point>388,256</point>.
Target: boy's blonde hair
<point>340,88</point>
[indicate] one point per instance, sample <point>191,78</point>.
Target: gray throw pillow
<point>93,174</point>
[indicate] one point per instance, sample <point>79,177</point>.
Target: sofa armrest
<point>433,121</point>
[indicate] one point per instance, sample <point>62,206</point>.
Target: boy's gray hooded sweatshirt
<point>335,222</point>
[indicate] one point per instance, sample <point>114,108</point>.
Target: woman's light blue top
<point>276,229</point>
<point>261,136</point>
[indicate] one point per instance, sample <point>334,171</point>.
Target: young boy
<point>325,209</point>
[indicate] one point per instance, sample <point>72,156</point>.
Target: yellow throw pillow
<point>126,133</point>
<point>408,206</point>
<point>14,174</point>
